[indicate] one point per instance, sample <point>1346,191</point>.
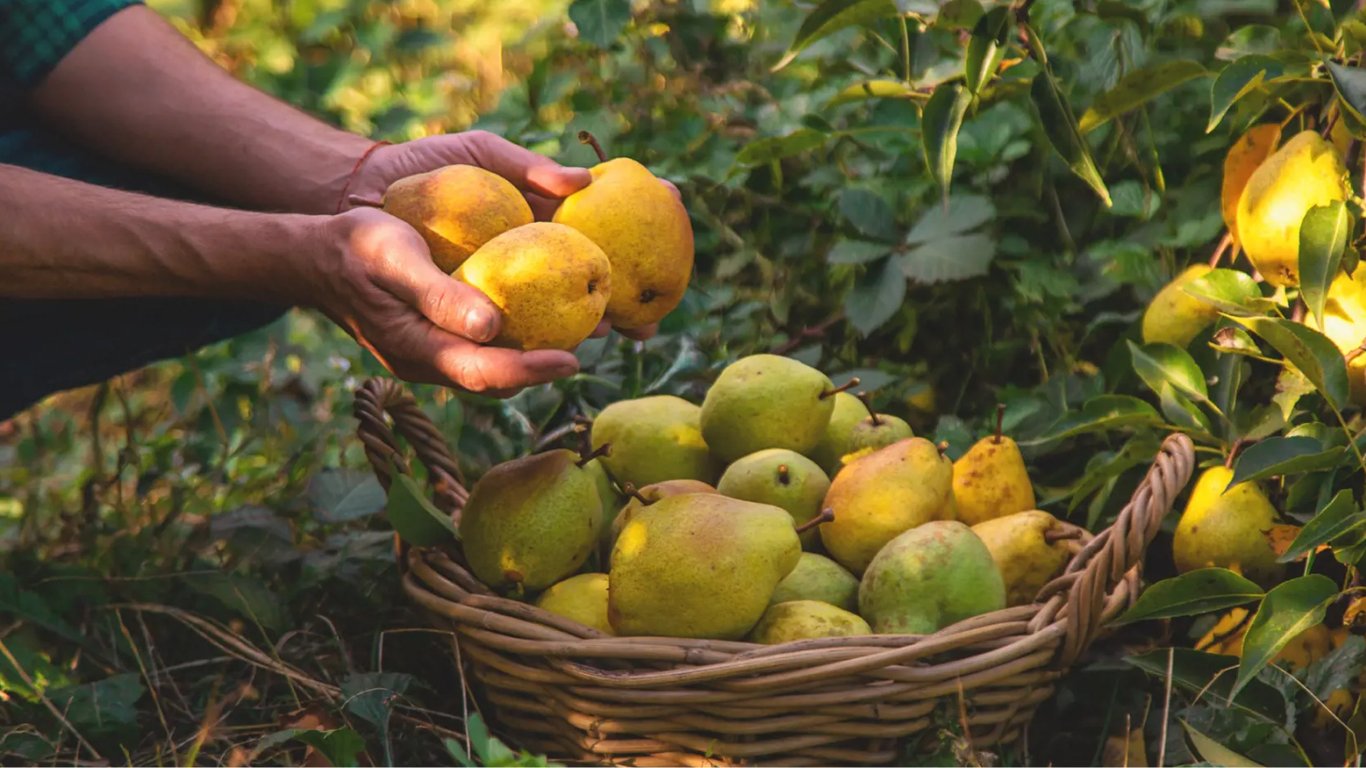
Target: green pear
<point>1227,528</point>
<point>877,497</point>
<point>817,577</point>
<point>531,521</point>
<point>930,577</point>
<point>699,565</point>
<point>1176,317</point>
<point>653,439</point>
<point>806,620</point>
<point>766,401</point>
<point>782,478</point>
<point>854,428</point>
<point>649,495</point>
<point>581,598</point>
<point>612,501</point>
<point>1026,550</point>
<point>990,480</point>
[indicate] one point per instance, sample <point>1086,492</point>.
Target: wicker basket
<point>557,687</point>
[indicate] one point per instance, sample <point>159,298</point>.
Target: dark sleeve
<point>36,34</point>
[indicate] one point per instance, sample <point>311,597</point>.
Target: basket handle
<point>1082,591</point>
<point>378,396</point>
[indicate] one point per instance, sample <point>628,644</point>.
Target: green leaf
<point>1323,240</point>
<point>242,595</point>
<point>1182,412</point>
<point>986,47</point>
<point>876,297</point>
<point>1104,413</point>
<point>1159,364</point>
<point>939,126</point>
<point>874,89</point>
<point>965,213</point>
<point>869,213</point>
<point>1138,88</point>
<point>1214,753</point>
<point>1338,518</point>
<point>1350,84</point>
<point>1276,456</point>
<point>766,150</point>
<point>600,22</point>
<point>958,257</point>
<point>342,747</point>
<point>1059,124</point>
<point>1287,610</point>
<point>1308,350</point>
<point>102,705</point>
<point>1207,675</point>
<point>342,495</point>
<point>830,17</point>
<point>1230,291</point>
<point>856,252</point>
<point>1237,80</point>
<point>414,517</point>
<point>1191,594</point>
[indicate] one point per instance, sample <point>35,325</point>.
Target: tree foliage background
<point>962,203</point>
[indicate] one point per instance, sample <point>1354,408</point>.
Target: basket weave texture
<point>558,687</point>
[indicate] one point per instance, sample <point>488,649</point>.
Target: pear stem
<point>872,415</point>
<point>1233,452</point>
<point>850,384</point>
<point>1355,353</point>
<point>588,138</point>
<point>1054,535</point>
<point>1000,422</point>
<point>784,475</point>
<point>368,202</point>
<point>603,450</point>
<point>943,447</point>
<point>825,516</point>
<point>630,490</point>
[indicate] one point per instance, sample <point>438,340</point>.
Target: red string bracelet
<point>356,169</point>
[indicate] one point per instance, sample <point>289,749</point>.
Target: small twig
<point>1166,711</point>
<point>1225,243</point>
<point>810,332</point>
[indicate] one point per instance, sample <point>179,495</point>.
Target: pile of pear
<point>619,249</point>
<point>781,508</point>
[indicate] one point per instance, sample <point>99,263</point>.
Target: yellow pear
<point>582,598</point>
<point>1244,157</point>
<point>550,282</point>
<point>806,620</point>
<point>879,496</point>
<point>457,209</point>
<point>1226,638</point>
<point>699,565</point>
<point>654,439</point>
<point>990,480</point>
<point>1176,317</point>
<point>1227,528</point>
<point>1344,322</point>
<point>1306,172</point>
<point>1026,550</point>
<point>645,232</point>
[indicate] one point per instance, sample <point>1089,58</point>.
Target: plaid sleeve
<point>36,34</point>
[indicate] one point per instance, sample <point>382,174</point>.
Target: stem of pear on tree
<point>588,138</point>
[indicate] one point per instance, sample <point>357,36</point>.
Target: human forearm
<point>135,90</point>
<point>66,239</point>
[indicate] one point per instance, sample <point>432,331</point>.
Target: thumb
<point>449,303</point>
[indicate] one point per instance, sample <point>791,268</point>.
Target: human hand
<point>373,275</point>
<point>541,180</point>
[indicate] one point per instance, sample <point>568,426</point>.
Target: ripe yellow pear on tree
<point>1176,317</point>
<point>1029,549</point>
<point>550,282</point>
<point>456,209</point>
<point>766,401</point>
<point>531,521</point>
<point>644,230</point>
<point>855,427</point>
<point>654,439</point>
<point>699,565</point>
<point>1245,157</point>
<point>879,496</point>
<point>1344,322</point>
<point>1227,529</point>
<point>990,480</point>
<point>782,478</point>
<point>582,598</point>
<point>806,620</point>
<point>1306,172</point>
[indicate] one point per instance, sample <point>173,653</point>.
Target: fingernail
<point>480,324</point>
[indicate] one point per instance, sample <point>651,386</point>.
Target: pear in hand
<point>1226,528</point>
<point>582,598</point>
<point>1030,549</point>
<point>855,427</point>
<point>879,496</point>
<point>456,209</point>
<point>550,282</point>
<point>699,565</point>
<point>644,230</point>
<point>817,577</point>
<point>531,521</point>
<point>806,620</point>
<point>766,401</point>
<point>928,578</point>
<point>990,480</point>
<point>1176,317</point>
<point>782,478</point>
<point>654,439</point>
